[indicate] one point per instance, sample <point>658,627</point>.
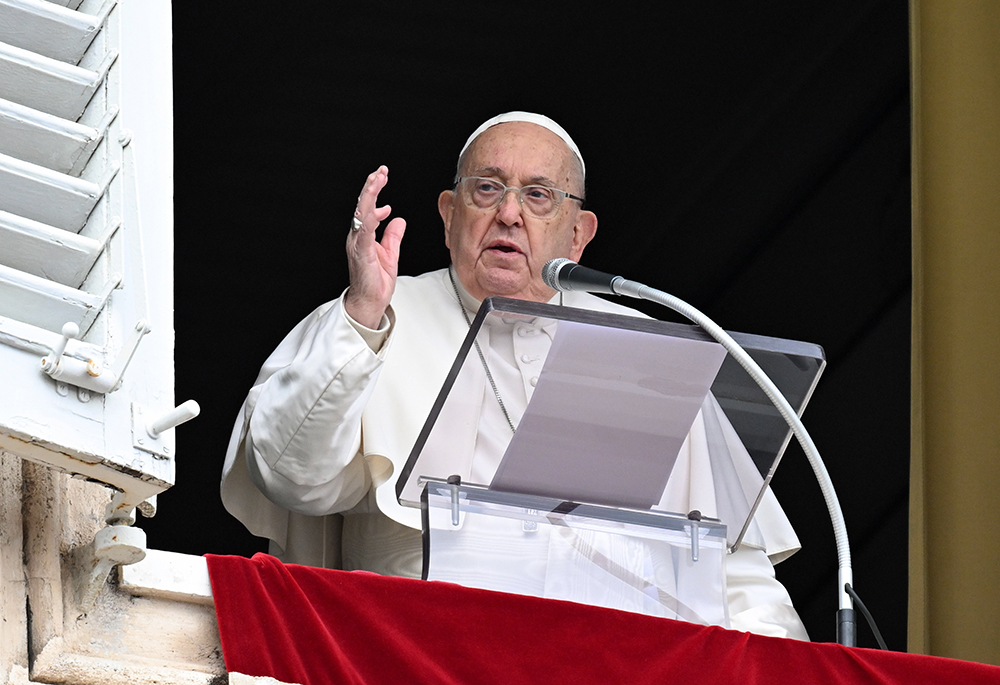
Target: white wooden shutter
<point>85,141</point>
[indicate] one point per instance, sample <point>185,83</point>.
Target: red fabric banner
<point>310,626</point>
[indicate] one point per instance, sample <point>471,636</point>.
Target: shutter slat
<point>71,4</point>
<point>46,196</point>
<point>58,144</point>
<point>49,305</point>
<point>49,85</point>
<point>48,252</point>
<point>49,29</point>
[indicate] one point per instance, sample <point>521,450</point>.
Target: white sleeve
<point>758,603</point>
<point>303,416</point>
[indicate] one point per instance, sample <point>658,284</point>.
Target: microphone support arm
<point>846,627</point>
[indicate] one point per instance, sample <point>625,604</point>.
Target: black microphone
<point>564,274</point>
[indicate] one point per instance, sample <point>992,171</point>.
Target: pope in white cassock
<point>336,409</point>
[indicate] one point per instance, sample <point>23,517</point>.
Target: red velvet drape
<point>308,625</point>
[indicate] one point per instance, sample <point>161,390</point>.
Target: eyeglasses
<point>540,202</point>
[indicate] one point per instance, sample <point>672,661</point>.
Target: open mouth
<point>503,248</point>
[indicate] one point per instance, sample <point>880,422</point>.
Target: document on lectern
<point>608,415</point>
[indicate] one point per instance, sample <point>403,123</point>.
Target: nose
<point>509,211</point>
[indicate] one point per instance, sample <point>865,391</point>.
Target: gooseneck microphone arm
<point>564,274</point>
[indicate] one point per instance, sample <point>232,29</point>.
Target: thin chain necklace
<point>482,357</point>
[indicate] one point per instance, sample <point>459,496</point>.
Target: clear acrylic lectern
<point>636,464</point>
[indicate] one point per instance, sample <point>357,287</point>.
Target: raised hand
<point>373,266</point>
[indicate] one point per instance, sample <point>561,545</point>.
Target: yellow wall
<point>955,483</point>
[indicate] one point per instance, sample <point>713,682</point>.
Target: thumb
<point>393,236</point>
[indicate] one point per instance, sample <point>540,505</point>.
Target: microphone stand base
<point>847,630</point>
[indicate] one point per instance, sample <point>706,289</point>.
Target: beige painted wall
<point>955,481</point>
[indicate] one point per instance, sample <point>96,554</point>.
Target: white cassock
<point>336,409</point>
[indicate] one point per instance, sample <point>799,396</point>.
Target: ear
<point>583,232</point>
<point>446,207</point>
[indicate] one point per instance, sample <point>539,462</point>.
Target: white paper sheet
<point>608,415</point>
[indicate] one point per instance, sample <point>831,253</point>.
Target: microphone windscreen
<point>550,272</point>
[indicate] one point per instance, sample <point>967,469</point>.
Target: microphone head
<point>550,272</point>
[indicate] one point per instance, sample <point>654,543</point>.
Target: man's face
<point>501,251</point>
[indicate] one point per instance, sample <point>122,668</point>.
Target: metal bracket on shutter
<point>149,432</point>
<point>91,375</point>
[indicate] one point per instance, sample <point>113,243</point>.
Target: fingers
<point>367,212</point>
<point>381,213</point>
<point>372,264</point>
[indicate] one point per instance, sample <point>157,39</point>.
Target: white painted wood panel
<point>50,29</point>
<point>71,4</point>
<point>47,196</point>
<point>77,248</point>
<point>50,253</point>
<point>49,141</point>
<point>47,304</point>
<point>47,84</point>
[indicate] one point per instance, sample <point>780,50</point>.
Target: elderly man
<point>337,407</point>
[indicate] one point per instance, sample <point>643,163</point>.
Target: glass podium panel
<point>625,411</point>
<point>640,561</point>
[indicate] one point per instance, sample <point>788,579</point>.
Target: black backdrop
<point>751,158</point>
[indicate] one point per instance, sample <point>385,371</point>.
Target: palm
<point>373,265</point>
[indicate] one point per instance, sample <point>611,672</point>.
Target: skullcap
<point>531,118</point>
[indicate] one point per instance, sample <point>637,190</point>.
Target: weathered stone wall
<point>46,635</point>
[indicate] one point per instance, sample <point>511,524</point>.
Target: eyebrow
<point>497,171</point>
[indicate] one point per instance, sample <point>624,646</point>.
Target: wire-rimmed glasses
<point>541,202</point>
